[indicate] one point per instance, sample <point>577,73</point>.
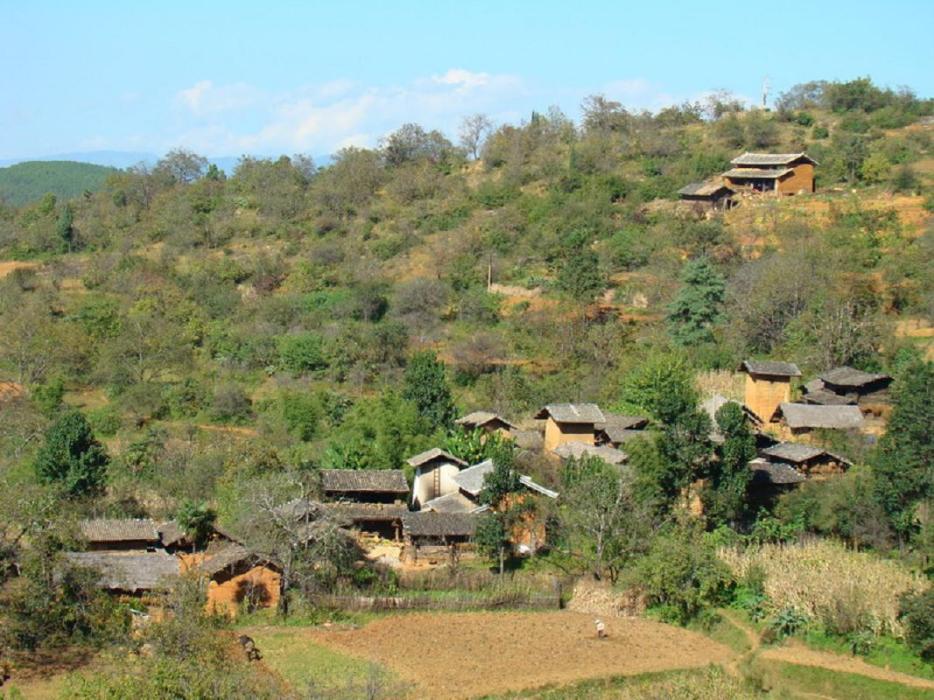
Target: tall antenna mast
<point>765,91</point>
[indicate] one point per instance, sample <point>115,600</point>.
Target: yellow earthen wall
<point>801,180</point>
<point>559,433</point>
<point>764,394</point>
<point>259,582</point>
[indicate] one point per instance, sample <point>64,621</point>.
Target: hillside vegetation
<point>28,182</point>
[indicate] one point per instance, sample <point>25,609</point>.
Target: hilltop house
<point>434,475</point>
<point>768,384</point>
<point>781,173</point>
<point>487,421</point>
<point>848,386</point>
<point>709,194</point>
<point>800,418</point>
<point>568,422</point>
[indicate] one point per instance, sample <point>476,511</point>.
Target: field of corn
<point>842,589</point>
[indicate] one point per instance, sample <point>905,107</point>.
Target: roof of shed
<point>850,377</point>
<point>348,513</point>
<point>131,572</point>
<point>572,413</point>
<point>770,158</point>
<point>471,479</point>
<point>119,530</point>
<point>707,188</point>
<point>366,480</point>
<point>610,455</point>
<point>758,173</point>
<point>225,557</point>
<point>771,368</point>
<point>800,415</point>
<point>766,473</point>
<point>478,419</point>
<point>432,524</point>
<point>793,452</point>
<point>528,439</point>
<point>451,503</point>
<point>435,453</point>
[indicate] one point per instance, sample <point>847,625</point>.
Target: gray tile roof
<point>758,173</point>
<point>348,513</point>
<point>431,524</point>
<point>573,413</point>
<point>470,480</point>
<point>825,397</point>
<point>851,378</point>
<point>451,503</point>
<point>226,557</point>
<point>478,419</point>
<point>102,530</point>
<point>432,455</point>
<point>707,188</point>
<point>534,486</point>
<point>770,158</point>
<point>131,572</point>
<point>364,480</point>
<point>765,473</point>
<point>528,439</point>
<point>799,415</point>
<point>610,455</point>
<point>770,368</point>
<point>792,452</point>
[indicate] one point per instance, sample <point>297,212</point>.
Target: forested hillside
<point>24,183</point>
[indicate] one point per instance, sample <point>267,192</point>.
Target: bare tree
<point>473,132</point>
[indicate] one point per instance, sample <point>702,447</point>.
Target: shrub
<point>301,352</point>
<point>916,612</point>
<point>231,404</point>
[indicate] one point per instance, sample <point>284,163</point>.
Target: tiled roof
<point>431,524</point>
<point>478,419</point>
<point>769,158</point>
<point>770,368</point>
<point>119,530</point>
<point>528,439</point>
<point>434,454</point>
<point>765,473</point>
<point>365,480</point>
<point>131,572</point>
<point>610,455</point>
<point>573,413</point>
<point>706,188</point>
<point>348,513</point>
<point>757,173</point>
<point>225,557</point>
<point>799,415</point>
<point>851,378</point>
<point>792,452</point>
<point>471,479</point>
<point>451,503</point>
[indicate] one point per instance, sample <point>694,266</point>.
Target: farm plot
<point>459,655</point>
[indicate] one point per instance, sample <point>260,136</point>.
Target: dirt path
<point>459,655</point>
<point>796,653</point>
<point>8,266</point>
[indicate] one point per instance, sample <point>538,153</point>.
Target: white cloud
<point>204,98</point>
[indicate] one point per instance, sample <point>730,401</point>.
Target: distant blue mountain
<point>126,159</point>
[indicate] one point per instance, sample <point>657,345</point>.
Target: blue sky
<point>226,78</point>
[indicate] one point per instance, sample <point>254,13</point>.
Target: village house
<point>710,194</point>
<point>617,429</point>
<point>434,475</point>
<point>488,422</point>
<point>781,173</point>
<point>568,422</point>
<point>579,450</point>
<point>768,385</point>
<point>810,462</point>
<point>848,386</point>
<point>364,485</point>
<point>800,418</point>
<point>437,537</point>
<point>237,578</point>
<point>129,572</point>
<point>770,480</point>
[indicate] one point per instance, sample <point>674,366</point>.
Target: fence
<point>449,601</point>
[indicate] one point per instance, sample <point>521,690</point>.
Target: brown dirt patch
<point>796,653</point>
<point>461,655</point>
<point>8,266</point>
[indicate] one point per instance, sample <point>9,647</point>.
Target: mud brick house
<point>487,421</point>
<point>848,386</point>
<point>569,422</point>
<point>437,536</point>
<point>781,173</point>
<point>801,418</point>
<point>618,429</point>
<point>709,194</point>
<point>768,385</point>
<point>237,577</point>
<point>434,475</point>
<point>364,485</point>
<point>810,462</point>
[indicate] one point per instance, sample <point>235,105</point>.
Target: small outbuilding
<point>578,450</point>
<point>570,422</point>
<point>434,475</point>
<point>437,536</point>
<point>846,385</point>
<point>132,573</point>
<point>709,194</point>
<point>811,462</point>
<point>803,418</point>
<point>619,428</point>
<point>768,385</point>
<point>381,519</point>
<point>238,578</point>
<point>487,421</point>
<point>120,534</point>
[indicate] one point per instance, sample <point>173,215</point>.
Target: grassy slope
<point>26,182</point>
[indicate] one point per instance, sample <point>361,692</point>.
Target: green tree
<point>904,476</point>
<point>197,520</point>
<point>502,480</point>
<point>492,538</point>
<point>729,474</point>
<point>426,386</point>
<point>65,228</point>
<point>301,352</point>
<point>579,271</point>
<point>697,308</point>
<point>662,386</point>
<point>71,458</point>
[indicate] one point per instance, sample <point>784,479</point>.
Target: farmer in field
<point>601,629</point>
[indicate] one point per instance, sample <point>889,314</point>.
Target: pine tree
<point>71,457</point>
<point>725,497</point>
<point>696,309</point>
<point>426,386</point>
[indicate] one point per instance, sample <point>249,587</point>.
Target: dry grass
<point>845,590</point>
<point>728,384</point>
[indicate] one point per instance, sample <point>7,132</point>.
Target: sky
<point>231,78</point>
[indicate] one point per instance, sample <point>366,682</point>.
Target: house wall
<point>764,393</point>
<point>260,584</point>
<point>423,486</point>
<point>802,179</point>
<point>560,433</point>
